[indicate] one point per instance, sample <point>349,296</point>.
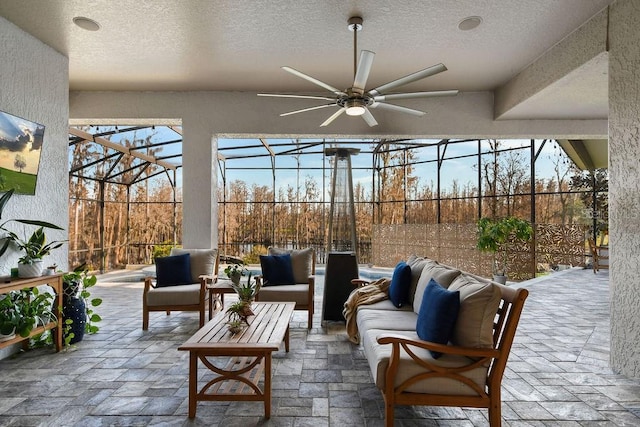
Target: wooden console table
<point>249,351</point>
<point>8,284</point>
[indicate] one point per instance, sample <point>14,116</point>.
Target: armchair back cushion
<point>173,270</point>
<point>301,262</point>
<point>203,261</point>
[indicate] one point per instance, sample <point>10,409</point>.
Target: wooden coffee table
<point>249,351</point>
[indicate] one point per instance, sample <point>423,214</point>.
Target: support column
<point>624,185</point>
<point>199,186</point>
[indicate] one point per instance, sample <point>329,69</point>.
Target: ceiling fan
<point>356,101</point>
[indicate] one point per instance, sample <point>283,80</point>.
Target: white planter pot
<point>8,337</point>
<point>30,270</point>
<point>500,279</point>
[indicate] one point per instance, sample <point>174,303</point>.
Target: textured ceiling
<point>231,45</point>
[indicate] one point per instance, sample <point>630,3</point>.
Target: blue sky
<point>462,170</point>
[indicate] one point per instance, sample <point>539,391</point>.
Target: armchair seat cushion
<point>174,295</point>
<point>293,293</point>
<point>378,357</point>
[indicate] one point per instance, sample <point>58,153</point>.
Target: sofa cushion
<point>203,261</point>
<point>400,283</point>
<point>378,357</point>
<point>397,320</point>
<point>479,303</point>
<point>173,270</point>
<point>417,264</point>
<point>432,270</point>
<point>277,270</point>
<point>438,314</point>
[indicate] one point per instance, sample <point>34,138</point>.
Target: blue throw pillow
<point>173,270</point>
<point>438,315</point>
<point>277,270</point>
<point>400,284</point>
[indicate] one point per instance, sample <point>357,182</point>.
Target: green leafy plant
<point>494,234</point>
<point>163,250</point>
<point>248,290</point>
<point>238,312</point>
<point>80,275</point>
<point>21,311</point>
<point>235,271</point>
<point>35,246</point>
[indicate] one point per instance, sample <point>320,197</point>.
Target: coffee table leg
<point>193,383</point>
<point>267,385</point>
<point>286,340</point>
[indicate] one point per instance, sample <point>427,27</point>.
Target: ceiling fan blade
<point>308,109</point>
<point>364,68</point>
<point>313,80</point>
<point>284,95</point>
<point>368,117</point>
<point>399,108</point>
<point>333,117</point>
<point>418,75</point>
<point>415,95</point>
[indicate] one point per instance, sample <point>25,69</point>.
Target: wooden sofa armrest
<point>480,357</point>
<point>398,339</point>
<point>360,282</point>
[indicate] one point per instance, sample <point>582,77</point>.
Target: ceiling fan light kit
<point>356,101</point>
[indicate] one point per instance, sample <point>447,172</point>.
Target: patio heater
<point>342,265</point>
<point>342,216</point>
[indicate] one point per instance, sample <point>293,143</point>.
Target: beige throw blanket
<point>368,294</point>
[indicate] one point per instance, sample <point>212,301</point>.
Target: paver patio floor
<point>558,373</point>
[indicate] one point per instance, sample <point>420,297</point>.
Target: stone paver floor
<point>557,375</point>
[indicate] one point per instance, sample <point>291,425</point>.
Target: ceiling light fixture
<point>470,23</point>
<point>355,107</point>
<point>86,23</point>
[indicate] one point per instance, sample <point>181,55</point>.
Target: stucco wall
<point>34,85</point>
<point>624,186</point>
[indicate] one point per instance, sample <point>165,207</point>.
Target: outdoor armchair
<point>180,283</point>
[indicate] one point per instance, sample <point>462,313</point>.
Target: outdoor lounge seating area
<point>557,374</point>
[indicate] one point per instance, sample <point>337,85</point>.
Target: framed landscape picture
<point>20,148</point>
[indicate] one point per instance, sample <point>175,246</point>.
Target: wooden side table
<point>8,284</point>
<point>216,294</point>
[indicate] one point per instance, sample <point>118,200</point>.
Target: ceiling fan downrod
<point>355,25</point>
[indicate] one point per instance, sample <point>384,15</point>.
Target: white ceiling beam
<point>575,50</point>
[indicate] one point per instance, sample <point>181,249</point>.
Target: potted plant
<point>235,272</point>
<point>493,236</point>
<point>22,311</point>
<point>35,247</point>
<point>9,317</point>
<point>248,291</point>
<point>77,304</point>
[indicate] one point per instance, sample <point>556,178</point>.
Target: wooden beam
<point>115,146</point>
